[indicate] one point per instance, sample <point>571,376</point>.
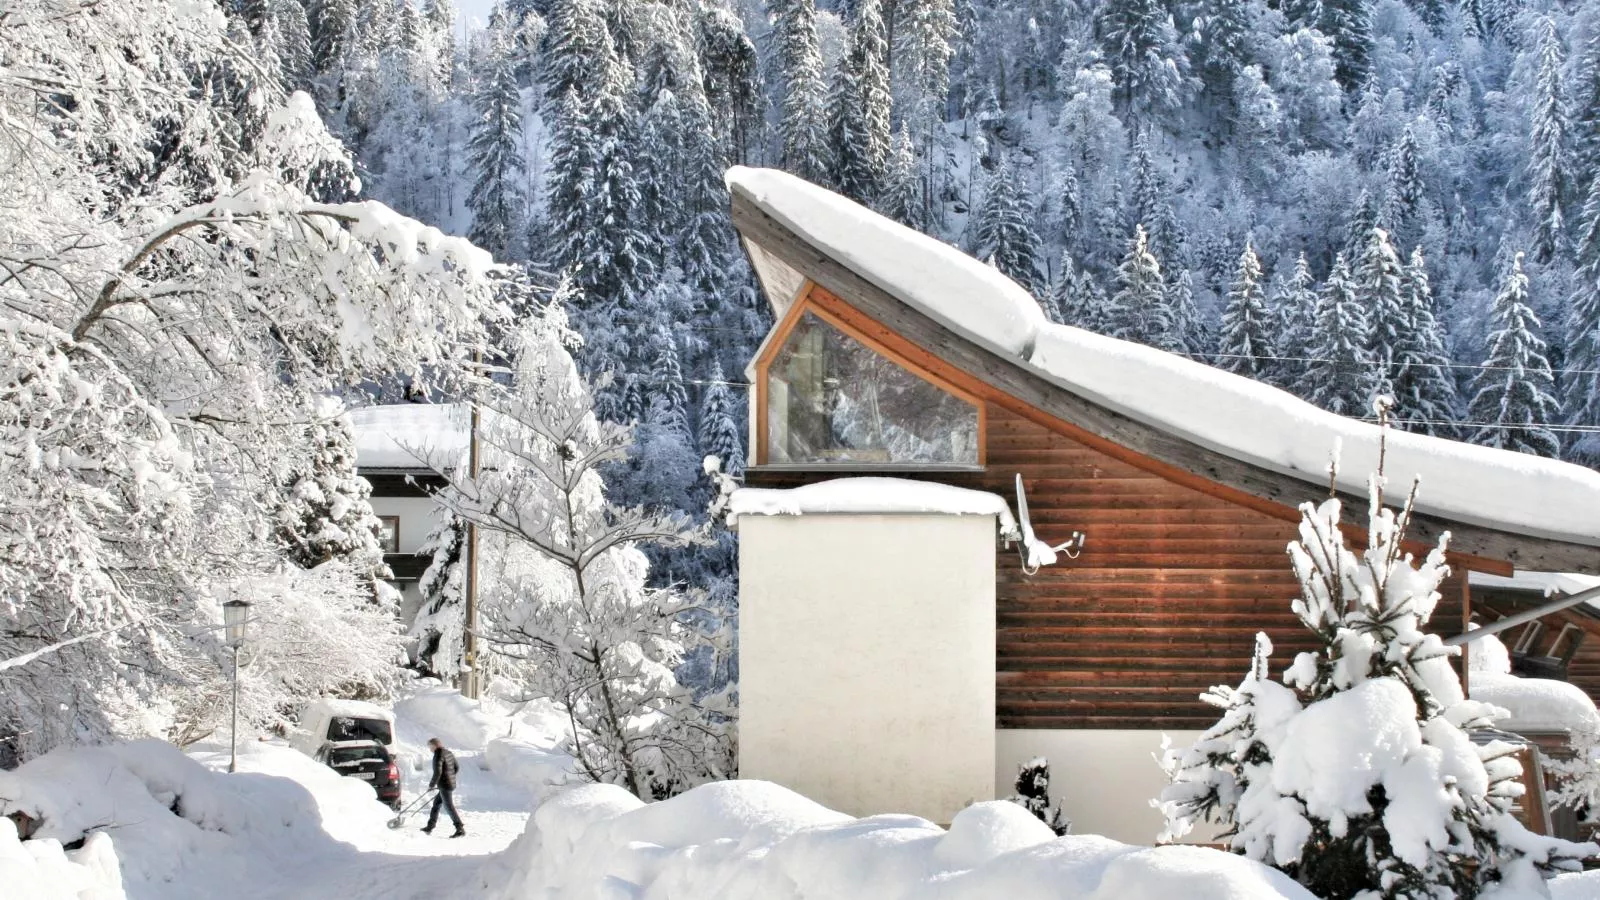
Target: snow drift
<point>753,840</point>
<point>167,821</point>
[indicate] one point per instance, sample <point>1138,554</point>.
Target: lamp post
<point>235,615</point>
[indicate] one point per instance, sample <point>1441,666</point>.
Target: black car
<point>367,760</point>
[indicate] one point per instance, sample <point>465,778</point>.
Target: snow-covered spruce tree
<point>860,107</point>
<point>1033,794</point>
<point>1246,345</point>
<point>324,514</point>
<point>719,426</point>
<point>1355,774</point>
<point>441,622</point>
<point>1513,399</point>
<point>1190,335</point>
<point>494,152</point>
<point>1340,376</point>
<point>1138,311</point>
<point>577,46</point>
<point>903,198</point>
<point>564,602</point>
<point>1378,285</point>
<point>1547,158</point>
<point>1403,199</point>
<point>1294,313</point>
<point>1146,58</point>
<point>1583,333</point>
<point>1150,205</point>
<point>1004,232</point>
<point>803,121</point>
<point>1424,389</point>
<point>175,317</point>
<point>926,31</point>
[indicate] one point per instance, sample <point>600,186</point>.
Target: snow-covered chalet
<point>899,655</point>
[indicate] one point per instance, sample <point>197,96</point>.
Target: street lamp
<point>235,615</point>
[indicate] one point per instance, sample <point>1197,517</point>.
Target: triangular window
<point>832,400</point>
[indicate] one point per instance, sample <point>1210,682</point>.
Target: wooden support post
<point>1466,625</point>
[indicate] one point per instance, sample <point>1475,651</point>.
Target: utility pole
<point>471,685</point>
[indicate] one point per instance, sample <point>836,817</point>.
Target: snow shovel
<point>413,806</point>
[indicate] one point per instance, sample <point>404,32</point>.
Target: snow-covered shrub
<point>1355,773</point>
<point>440,625</point>
<point>1033,794</point>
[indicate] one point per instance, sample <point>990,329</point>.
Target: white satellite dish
<point>1035,553</point>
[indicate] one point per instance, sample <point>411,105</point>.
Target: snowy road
<point>363,858</point>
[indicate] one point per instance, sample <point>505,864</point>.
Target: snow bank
<point>872,495</point>
<point>948,285</point>
<point>753,840</point>
<point>533,768</point>
<point>1259,424</point>
<point>408,435</point>
<point>42,870</point>
<point>442,712</point>
<point>171,820</point>
<point>1534,704</point>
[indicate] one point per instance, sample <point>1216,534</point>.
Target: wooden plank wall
<point>1165,601</point>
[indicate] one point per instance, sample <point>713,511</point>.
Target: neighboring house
<point>894,659</point>
<point>397,449</point>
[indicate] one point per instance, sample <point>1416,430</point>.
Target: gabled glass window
<point>833,400</point>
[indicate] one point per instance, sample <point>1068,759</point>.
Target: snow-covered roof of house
<point>408,436</point>
<point>1227,414</point>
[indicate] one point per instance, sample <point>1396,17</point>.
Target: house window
<point>832,400</point>
<point>389,533</point>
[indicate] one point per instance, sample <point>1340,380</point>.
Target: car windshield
<point>349,728</point>
<point>349,755</point>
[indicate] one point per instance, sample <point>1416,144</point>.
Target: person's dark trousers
<point>445,798</point>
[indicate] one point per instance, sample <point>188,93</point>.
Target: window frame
<point>805,302</point>
<point>395,546</point>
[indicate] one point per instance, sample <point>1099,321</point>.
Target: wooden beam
<point>1012,385</point>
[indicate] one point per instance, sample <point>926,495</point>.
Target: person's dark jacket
<point>444,770</point>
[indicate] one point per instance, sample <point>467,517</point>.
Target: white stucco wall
<point>1103,780</point>
<point>416,518</point>
<point>866,657</point>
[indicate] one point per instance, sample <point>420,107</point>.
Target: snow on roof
<point>1260,424</point>
<point>1534,704</point>
<point>407,435</point>
<point>1229,414</point>
<point>356,709</point>
<point>891,496</point>
<point>952,287</point>
<point>1550,584</point>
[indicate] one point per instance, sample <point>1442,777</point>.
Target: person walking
<point>444,780</point>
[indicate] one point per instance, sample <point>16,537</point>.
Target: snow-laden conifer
<point>1355,773</point>
<point>1004,232</point>
<point>860,107</point>
<point>1139,310</point>
<point>495,152</point>
<point>1146,58</point>
<point>803,121</point>
<point>1423,385</point>
<point>1294,314</point>
<point>1378,279</point>
<point>441,622</point>
<point>1583,334</point>
<point>1340,376</point>
<point>1247,341</point>
<point>1513,400</point>
<point>1547,151</point>
<point>720,421</point>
